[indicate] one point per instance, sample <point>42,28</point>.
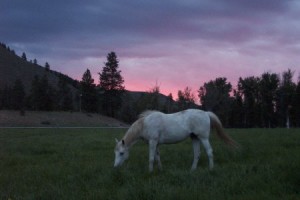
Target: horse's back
<point>177,126</point>
<point>197,120</point>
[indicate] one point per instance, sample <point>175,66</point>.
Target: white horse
<point>159,128</point>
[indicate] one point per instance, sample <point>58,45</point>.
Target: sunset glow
<point>173,44</point>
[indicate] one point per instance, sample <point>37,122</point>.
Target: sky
<point>171,43</point>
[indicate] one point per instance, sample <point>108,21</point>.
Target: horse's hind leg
<point>157,158</point>
<point>196,147</point>
<point>209,152</point>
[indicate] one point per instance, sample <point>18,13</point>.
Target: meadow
<point>77,164</point>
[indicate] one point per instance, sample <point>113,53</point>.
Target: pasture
<point>77,164</point>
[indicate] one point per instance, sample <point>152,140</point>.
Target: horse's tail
<point>216,124</point>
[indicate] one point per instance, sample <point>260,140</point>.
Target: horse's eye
<point>121,153</point>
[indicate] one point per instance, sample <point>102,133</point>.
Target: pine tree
<point>88,93</point>
<point>47,67</point>
<point>24,56</point>
<point>111,82</point>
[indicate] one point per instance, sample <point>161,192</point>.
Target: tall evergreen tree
<point>47,67</point>
<point>111,82</point>
<point>88,93</point>
<point>24,56</point>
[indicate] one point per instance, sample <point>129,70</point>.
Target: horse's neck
<point>130,138</point>
<point>133,133</point>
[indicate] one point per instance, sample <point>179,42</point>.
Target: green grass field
<point>77,164</point>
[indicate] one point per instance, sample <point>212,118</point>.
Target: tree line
<point>42,96</point>
<point>269,100</point>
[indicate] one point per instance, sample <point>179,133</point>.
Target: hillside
<point>12,67</point>
<point>56,119</point>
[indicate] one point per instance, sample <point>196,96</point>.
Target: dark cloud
<point>31,21</point>
<point>76,30</point>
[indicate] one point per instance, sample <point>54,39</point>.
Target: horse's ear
<point>116,140</point>
<point>123,142</point>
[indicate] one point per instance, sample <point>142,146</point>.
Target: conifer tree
<point>88,93</point>
<point>24,56</point>
<point>111,82</point>
<point>47,66</point>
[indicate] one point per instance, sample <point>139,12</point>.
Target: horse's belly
<point>172,137</point>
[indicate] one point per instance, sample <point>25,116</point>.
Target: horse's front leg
<point>152,152</point>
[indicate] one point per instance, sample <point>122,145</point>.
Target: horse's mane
<point>147,113</point>
<point>137,127</point>
<point>134,131</point>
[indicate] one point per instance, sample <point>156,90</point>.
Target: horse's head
<point>121,153</point>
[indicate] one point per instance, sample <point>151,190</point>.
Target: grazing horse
<point>159,128</point>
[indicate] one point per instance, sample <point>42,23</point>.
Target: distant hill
<point>56,119</point>
<point>136,95</point>
<point>13,67</point>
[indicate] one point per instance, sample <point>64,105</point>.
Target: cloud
<point>179,43</point>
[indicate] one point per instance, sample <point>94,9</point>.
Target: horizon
<point>96,81</point>
<point>172,44</point>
